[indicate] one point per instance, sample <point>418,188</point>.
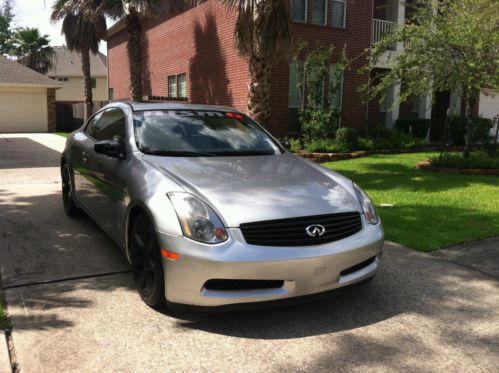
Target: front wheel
<point>68,191</point>
<point>147,265</point>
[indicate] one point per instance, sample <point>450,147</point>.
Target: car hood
<point>257,188</point>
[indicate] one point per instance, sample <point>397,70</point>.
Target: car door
<point>108,174</point>
<point>82,162</point>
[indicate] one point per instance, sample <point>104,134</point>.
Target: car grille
<point>292,232</point>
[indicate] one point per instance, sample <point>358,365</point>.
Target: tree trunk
<point>135,55</point>
<point>471,99</point>
<point>87,82</point>
<point>259,107</point>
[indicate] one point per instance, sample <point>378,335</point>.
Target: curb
<point>5,366</point>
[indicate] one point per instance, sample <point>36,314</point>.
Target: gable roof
<point>13,73</point>
<point>68,64</point>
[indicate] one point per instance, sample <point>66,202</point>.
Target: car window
<point>110,125</point>
<point>188,131</point>
<point>89,128</point>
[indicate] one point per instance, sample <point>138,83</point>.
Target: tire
<point>147,265</point>
<point>70,207</point>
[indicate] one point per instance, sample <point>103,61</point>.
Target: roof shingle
<point>12,73</point>
<point>68,64</point>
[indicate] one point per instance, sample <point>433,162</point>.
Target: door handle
<point>85,156</point>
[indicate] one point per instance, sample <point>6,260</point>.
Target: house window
<point>299,10</point>
<point>339,13</point>
<point>415,104</point>
<point>335,96</point>
<point>319,12</point>
<point>94,82</point>
<point>62,79</point>
<point>172,86</point>
<point>111,94</point>
<point>335,87</point>
<point>295,94</point>
<point>182,85</point>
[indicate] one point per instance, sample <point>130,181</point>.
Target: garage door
<point>23,110</point>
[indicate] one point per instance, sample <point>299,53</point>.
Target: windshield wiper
<point>178,153</point>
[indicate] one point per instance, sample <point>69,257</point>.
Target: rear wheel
<point>147,266</point>
<point>68,191</point>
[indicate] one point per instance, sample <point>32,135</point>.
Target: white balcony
<point>381,27</point>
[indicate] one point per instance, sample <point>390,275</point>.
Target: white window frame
<point>168,86</point>
<point>325,14</point>
<point>306,13</point>
<point>344,13</point>
<point>178,86</point>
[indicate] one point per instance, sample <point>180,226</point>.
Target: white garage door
<point>23,110</point>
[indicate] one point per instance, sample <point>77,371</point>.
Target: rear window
<point>188,132</point>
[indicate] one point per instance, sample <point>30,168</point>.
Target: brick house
<point>190,56</point>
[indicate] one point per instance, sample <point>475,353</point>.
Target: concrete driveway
<point>73,306</point>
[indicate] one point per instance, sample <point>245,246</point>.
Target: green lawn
<point>4,322</point>
<point>63,134</point>
<point>431,210</point>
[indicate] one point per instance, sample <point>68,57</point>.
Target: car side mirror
<point>110,148</point>
<point>285,144</point>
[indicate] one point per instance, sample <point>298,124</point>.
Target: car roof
<point>143,106</point>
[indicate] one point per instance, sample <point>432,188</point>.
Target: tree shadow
<point>208,70</point>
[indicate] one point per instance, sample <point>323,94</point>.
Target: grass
<point>4,321</point>
<point>63,134</point>
<point>430,210</point>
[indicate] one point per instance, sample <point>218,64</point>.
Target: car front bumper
<point>303,270</point>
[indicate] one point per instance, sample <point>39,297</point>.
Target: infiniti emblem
<point>315,230</point>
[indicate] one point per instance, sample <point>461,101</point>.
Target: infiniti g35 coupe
<point>211,210</point>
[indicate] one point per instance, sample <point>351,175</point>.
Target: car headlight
<point>367,205</point>
<point>198,221</point>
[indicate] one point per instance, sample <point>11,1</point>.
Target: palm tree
<point>135,12</point>
<point>32,49</point>
<point>263,36</point>
<point>84,26</point>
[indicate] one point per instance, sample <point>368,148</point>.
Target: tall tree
<point>84,26</point>
<point>449,45</point>
<point>135,12</point>
<point>263,37</point>
<point>6,17</point>
<point>32,49</point>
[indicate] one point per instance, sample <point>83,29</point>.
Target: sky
<point>36,13</point>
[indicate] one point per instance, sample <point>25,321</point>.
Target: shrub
<point>385,138</point>
<point>414,126</point>
<point>480,130</point>
<point>365,144</point>
<point>348,137</point>
<point>478,159</point>
<point>317,123</point>
<point>326,146</point>
<point>295,145</point>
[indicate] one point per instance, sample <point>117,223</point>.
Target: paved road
<point>421,313</point>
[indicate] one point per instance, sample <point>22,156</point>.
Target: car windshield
<point>200,133</point>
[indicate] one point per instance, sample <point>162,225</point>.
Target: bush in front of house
<point>478,159</point>
<point>415,126</point>
<point>480,130</point>
<point>349,137</point>
<point>316,124</point>
<point>326,145</point>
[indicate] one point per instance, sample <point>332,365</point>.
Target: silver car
<point>211,210</point>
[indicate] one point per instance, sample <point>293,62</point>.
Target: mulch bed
<point>426,165</point>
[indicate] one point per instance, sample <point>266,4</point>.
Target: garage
<point>27,99</point>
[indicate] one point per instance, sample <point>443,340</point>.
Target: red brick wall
<point>200,42</point>
<point>356,37</point>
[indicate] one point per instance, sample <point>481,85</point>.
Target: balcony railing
<point>380,28</point>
